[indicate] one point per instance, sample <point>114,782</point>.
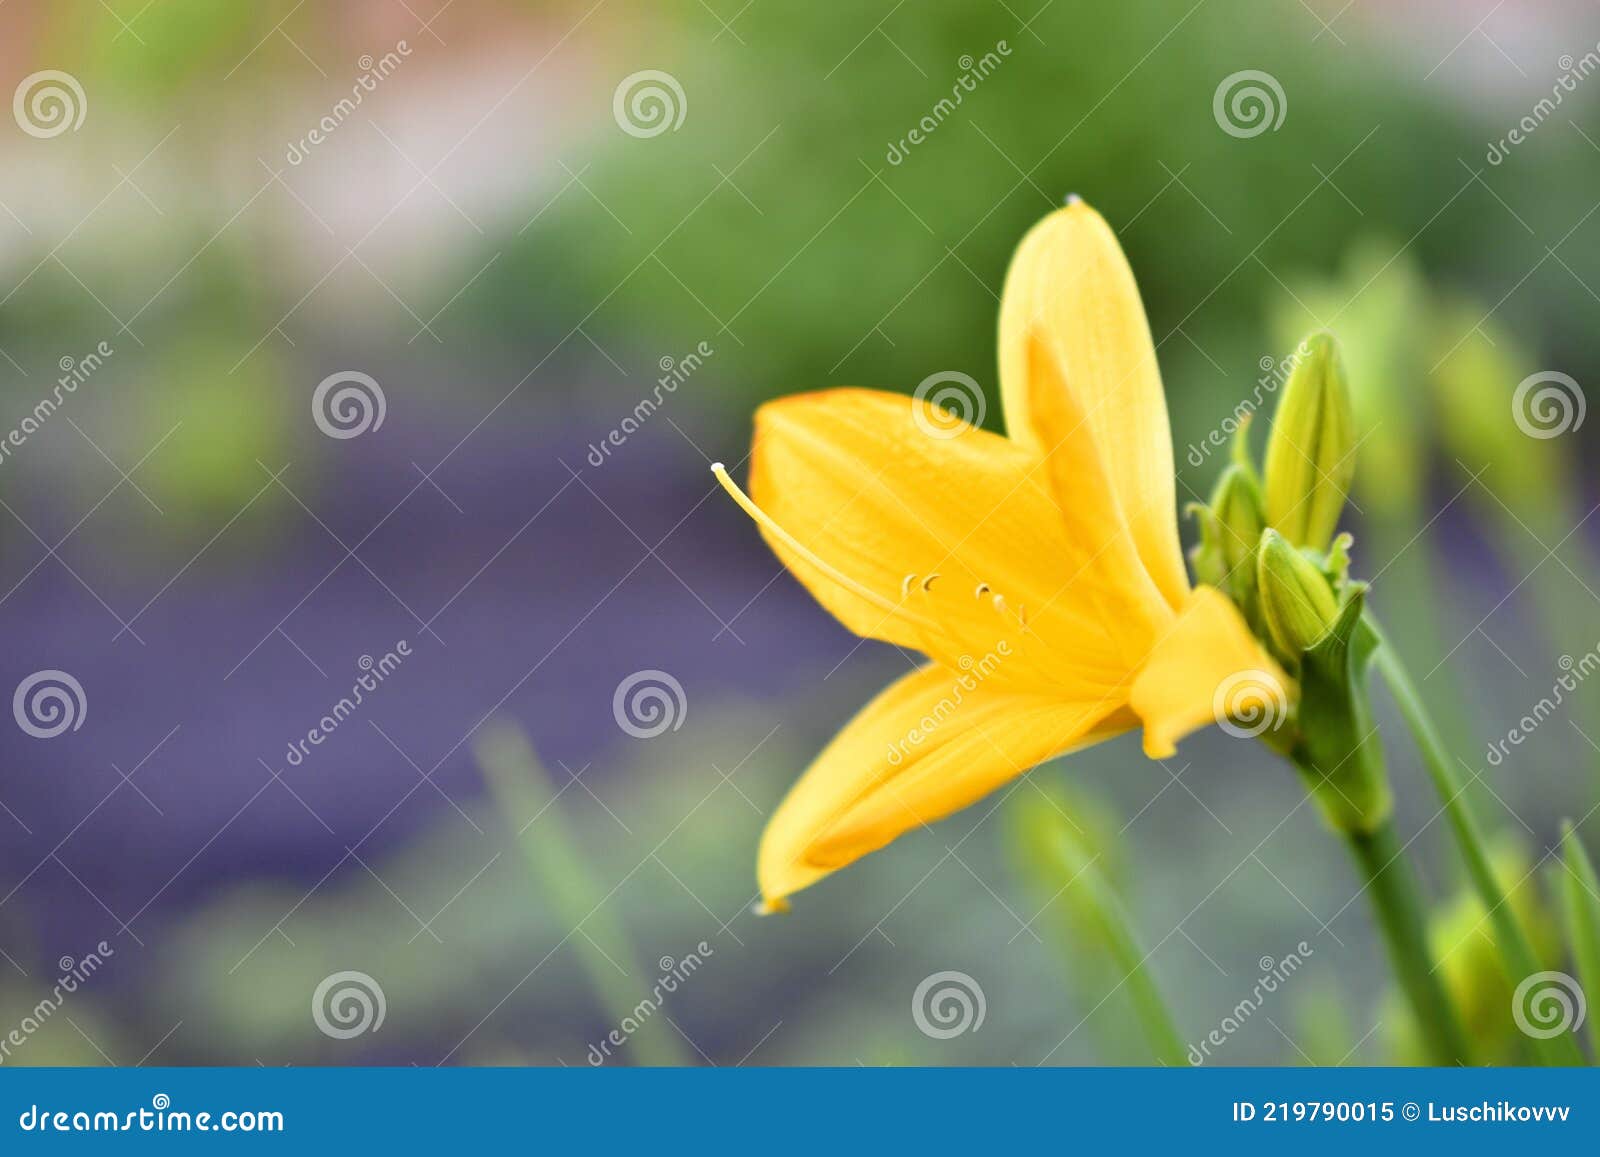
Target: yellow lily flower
<point>1041,573</point>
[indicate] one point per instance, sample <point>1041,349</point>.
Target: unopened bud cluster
<point>1267,539</point>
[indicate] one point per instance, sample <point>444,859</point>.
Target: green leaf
<point>562,880</point>
<point>1581,908</point>
<point>1061,861</point>
<point>1516,951</point>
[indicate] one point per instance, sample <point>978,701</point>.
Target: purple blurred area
<point>527,583</point>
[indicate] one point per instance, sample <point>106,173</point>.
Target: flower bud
<point>1230,528</point>
<point>1236,502</point>
<point>1383,304</point>
<point>1311,453</point>
<point>1296,600</point>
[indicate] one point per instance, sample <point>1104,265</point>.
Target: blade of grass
<point>523,793</point>
<point>1059,860</point>
<point>1516,952</point>
<point>1581,906</point>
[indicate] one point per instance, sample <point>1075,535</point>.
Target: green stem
<point>1581,907</point>
<point>1159,1026</point>
<point>558,859</point>
<point>1389,883</point>
<point>1516,953</point>
<point>1411,580</point>
<point>1062,861</point>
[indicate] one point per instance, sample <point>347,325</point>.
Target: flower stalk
<point>1516,952</point>
<point>1064,864</point>
<point>1388,882</point>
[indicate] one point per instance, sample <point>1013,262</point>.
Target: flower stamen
<point>767,522</point>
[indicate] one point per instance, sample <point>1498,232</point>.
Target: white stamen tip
<point>717,468</point>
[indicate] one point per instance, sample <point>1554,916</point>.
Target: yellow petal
<point>1132,605</point>
<point>1070,279</point>
<point>948,544</point>
<point>1206,668</point>
<point>928,745</point>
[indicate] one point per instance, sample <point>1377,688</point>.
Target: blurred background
<point>386,344</point>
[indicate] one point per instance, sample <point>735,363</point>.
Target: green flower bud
<point>1311,452</point>
<point>1296,599</point>
<point>1383,304</point>
<point>1236,502</point>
